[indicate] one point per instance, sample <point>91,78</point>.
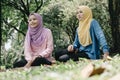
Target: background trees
<point>60,17</point>
<point>114,10</point>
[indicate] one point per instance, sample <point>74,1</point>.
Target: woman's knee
<point>64,58</point>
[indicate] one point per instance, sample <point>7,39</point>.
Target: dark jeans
<point>63,55</point>
<point>37,62</point>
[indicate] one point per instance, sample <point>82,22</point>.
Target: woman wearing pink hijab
<point>38,46</point>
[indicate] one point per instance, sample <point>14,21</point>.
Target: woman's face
<point>33,22</point>
<point>79,14</point>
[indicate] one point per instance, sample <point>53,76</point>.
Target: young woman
<point>89,39</point>
<point>38,46</point>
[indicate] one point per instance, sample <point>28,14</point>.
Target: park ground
<point>65,71</point>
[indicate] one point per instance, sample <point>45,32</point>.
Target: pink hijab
<point>35,36</point>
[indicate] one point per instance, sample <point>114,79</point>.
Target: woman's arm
<point>76,43</point>
<point>29,62</point>
<point>27,54</point>
<point>49,44</point>
<point>101,38</point>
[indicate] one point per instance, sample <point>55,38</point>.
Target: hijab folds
<point>35,35</point>
<point>84,26</point>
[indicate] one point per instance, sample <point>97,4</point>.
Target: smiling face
<point>33,21</point>
<point>79,14</point>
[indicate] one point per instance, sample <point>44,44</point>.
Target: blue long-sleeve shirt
<point>98,41</point>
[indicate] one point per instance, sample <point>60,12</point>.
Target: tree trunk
<point>114,10</point>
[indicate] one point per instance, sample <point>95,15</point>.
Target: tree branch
<point>28,7</point>
<point>24,7</point>
<point>13,27</point>
<point>39,6</point>
<point>36,3</point>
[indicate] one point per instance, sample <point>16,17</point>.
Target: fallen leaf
<point>97,71</point>
<point>86,72</point>
<point>90,70</point>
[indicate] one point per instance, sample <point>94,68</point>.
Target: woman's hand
<point>70,48</point>
<point>29,63</point>
<point>106,56</point>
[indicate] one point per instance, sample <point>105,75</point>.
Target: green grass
<point>64,71</point>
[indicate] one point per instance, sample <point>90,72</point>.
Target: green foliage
<point>8,57</point>
<point>53,20</point>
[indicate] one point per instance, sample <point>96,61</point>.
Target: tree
<point>22,8</point>
<point>114,10</point>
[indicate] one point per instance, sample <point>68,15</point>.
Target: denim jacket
<point>98,42</point>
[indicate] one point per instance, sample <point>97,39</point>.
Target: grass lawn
<point>64,71</point>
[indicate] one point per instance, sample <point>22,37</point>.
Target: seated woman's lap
<point>37,62</point>
<point>64,55</point>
